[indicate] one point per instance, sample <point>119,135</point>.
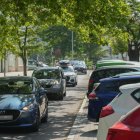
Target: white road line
<point>75,128</point>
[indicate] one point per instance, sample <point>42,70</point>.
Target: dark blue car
<point>105,91</point>
<point>23,102</point>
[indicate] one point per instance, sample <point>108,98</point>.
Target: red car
<point>128,128</point>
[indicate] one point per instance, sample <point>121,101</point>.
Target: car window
<point>108,86</point>
<point>136,95</point>
<point>67,69</point>
<point>129,81</point>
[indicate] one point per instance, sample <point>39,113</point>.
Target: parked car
<point>80,67</point>
<point>64,63</point>
<point>109,71</point>
<point>32,64</point>
<point>23,102</point>
<point>71,75</point>
<point>128,128</point>
<point>105,92</point>
<point>53,80</point>
<point>128,98</point>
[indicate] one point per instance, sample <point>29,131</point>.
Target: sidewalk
<point>82,128</point>
<point>29,73</point>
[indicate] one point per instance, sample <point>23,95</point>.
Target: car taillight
<point>91,81</point>
<point>133,118</point>
<point>107,110</point>
<point>92,96</point>
<point>110,135</point>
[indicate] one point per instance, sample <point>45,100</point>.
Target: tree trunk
<point>24,66</point>
<point>133,51</point>
<point>24,58</point>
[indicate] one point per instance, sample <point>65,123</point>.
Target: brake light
<point>107,110</point>
<point>92,96</point>
<point>133,118</point>
<point>91,81</point>
<point>110,135</point>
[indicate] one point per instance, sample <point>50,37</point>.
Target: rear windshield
<point>47,74</point>
<point>108,86</point>
<point>99,74</point>
<point>136,95</point>
<point>16,87</point>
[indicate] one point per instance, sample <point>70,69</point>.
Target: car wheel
<point>45,118</point>
<point>35,127</point>
<point>74,84</point>
<point>60,97</point>
<point>65,93</point>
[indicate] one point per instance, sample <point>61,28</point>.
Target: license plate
<point>6,117</point>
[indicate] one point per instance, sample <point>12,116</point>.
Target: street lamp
<point>72,45</point>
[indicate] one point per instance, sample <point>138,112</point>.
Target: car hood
<point>69,73</point>
<point>15,101</point>
<point>49,81</point>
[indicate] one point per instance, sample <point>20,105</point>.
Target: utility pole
<point>72,45</point>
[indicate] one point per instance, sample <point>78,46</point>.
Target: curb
<point>75,128</point>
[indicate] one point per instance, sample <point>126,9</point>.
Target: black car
<point>79,66</point>
<point>23,102</point>
<point>53,80</point>
<point>108,71</point>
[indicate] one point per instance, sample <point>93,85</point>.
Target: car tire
<point>65,93</point>
<point>60,97</point>
<point>35,127</point>
<point>45,118</point>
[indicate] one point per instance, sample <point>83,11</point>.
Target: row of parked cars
<point>114,98</point>
<point>24,99</point>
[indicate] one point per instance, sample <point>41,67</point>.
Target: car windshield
<point>47,74</point>
<point>67,69</point>
<point>16,87</point>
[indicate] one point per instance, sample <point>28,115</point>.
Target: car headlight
<point>29,107</point>
<point>56,86</point>
<point>72,76</point>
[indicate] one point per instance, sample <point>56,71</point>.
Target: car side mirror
<point>42,91</point>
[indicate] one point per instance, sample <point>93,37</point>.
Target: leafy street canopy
<point>95,22</point>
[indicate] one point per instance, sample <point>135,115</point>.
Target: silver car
<point>70,74</point>
<point>53,80</point>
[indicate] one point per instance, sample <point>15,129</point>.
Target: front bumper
<point>24,119</point>
<point>71,80</point>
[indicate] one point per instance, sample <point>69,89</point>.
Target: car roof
<point>48,68</point>
<point>129,88</point>
<point>118,66</point>
<point>16,77</point>
<point>119,78</point>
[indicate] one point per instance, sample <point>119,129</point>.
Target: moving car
<point>105,92</point>
<point>23,102</point>
<point>53,80</point>
<point>128,99</point>
<point>128,128</point>
<point>109,71</point>
<point>70,74</point>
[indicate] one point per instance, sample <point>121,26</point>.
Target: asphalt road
<point>61,116</point>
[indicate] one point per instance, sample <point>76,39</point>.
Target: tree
<point>133,28</point>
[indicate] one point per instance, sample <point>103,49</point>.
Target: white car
<point>70,74</point>
<point>121,105</point>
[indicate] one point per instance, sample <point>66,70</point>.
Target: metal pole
<point>72,45</point>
